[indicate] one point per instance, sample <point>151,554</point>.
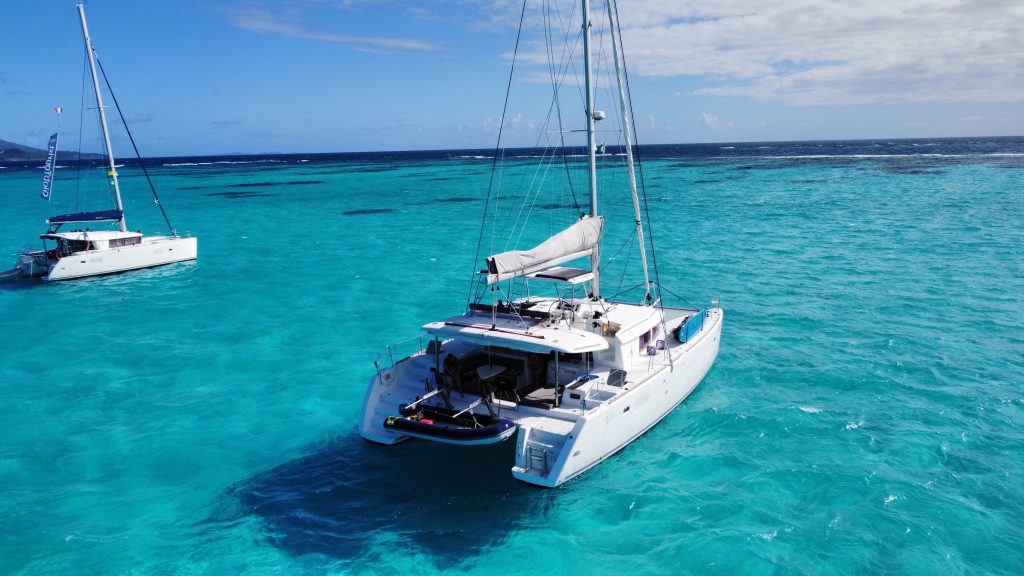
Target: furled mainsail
<point>574,242</point>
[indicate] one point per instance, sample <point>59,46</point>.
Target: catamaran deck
<point>517,378</point>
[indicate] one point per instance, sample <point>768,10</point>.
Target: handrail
<point>402,348</point>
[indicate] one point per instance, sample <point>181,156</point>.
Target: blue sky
<point>259,76</point>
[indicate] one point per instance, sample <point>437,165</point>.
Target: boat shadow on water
<point>351,499</point>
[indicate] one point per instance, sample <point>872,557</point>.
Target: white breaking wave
<point>861,156</point>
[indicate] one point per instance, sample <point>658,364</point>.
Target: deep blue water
<point>865,414</point>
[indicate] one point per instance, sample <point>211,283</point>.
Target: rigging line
<point>542,171</point>
<point>510,211</point>
<point>81,123</point>
<point>565,165</point>
<point>510,230</point>
<point>571,64</point>
<point>570,161</point>
<point>519,208</point>
<point>106,160</point>
<point>639,164</point>
<point>625,267</point>
<point>555,83</point>
<point>497,198</point>
<point>613,110</point>
<point>558,105</point>
<point>569,71</point>
<point>497,151</point>
<point>680,298</point>
<point>136,148</point>
<point>626,291</point>
<point>100,138</point>
<point>536,187</point>
<point>533,188</point>
<point>522,206</point>
<point>624,244</point>
<point>600,62</point>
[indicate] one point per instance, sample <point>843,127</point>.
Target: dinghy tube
<point>442,425</point>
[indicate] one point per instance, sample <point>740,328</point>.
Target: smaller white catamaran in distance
<point>576,376</point>
<point>84,252</point>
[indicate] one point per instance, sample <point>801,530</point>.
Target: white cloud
<point>225,123</point>
<point>710,120</point>
<point>813,52</point>
<point>291,24</point>
<point>835,52</point>
<point>139,118</point>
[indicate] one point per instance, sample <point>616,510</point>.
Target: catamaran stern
<point>35,263</point>
<point>550,452</point>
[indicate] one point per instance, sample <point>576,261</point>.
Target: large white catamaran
<point>84,252</point>
<point>576,376</point>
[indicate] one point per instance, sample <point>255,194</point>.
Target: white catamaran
<point>576,376</point>
<point>83,252</point>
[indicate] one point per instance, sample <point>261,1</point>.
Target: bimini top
<point>100,216</point>
<point>91,235</point>
<point>511,333</point>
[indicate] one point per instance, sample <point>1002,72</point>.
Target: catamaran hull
<point>549,460</point>
<point>379,404</point>
<point>153,251</point>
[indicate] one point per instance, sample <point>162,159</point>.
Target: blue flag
<point>51,159</point>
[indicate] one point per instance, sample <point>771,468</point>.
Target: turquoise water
<point>865,414</point>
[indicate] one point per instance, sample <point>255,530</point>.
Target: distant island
<point>11,152</point>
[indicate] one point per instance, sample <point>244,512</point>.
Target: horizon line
<point>478,149</point>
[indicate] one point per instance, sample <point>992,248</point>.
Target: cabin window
<point>79,245</point>
<point>130,241</point>
<point>648,338</point>
<point>570,358</point>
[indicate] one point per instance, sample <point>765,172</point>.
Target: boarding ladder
<point>536,454</point>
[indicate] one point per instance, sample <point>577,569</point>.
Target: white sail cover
<point>574,242</point>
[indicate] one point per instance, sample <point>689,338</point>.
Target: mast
<point>613,27</point>
<point>595,257</point>
<point>103,114</point>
